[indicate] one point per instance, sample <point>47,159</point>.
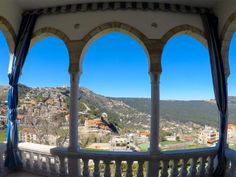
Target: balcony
<point>53,161</point>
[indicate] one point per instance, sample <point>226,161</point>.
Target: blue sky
<point>117,65</point>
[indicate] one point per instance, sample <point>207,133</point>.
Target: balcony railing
<point>2,157</point>
<point>52,161</point>
<point>231,163</point>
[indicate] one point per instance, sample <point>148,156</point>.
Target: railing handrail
<point>36,148</point>
<point>145,156</point>
<point>114,155</point>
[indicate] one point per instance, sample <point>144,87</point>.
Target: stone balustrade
<point>52,161</point>
<point>231,163</point>
<point>197,162</point>
<point>2,158</point>
<point>38,159</point>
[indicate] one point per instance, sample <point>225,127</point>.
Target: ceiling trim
<point>104,6</point>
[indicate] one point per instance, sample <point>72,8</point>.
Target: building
<point>208,136</point>
<point>231,131</point>
<point>150,22</point>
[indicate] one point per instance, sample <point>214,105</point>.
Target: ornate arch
<point>226,37</point>
<point>49,31</point>
<point>185,29</point>
<point>113,26</point>
<point>8,32</point>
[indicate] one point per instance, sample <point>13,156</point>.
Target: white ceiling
<point>33,4</point>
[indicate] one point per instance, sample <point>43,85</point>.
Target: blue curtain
<point>210,23</point>
<point>13,161</point>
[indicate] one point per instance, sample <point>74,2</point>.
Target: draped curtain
<point>13,161</point>
<point>210,23</point>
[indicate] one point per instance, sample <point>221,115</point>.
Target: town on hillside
<point>43,118</point>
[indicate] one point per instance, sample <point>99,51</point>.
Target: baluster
<point>40,163</point>
<point>85,168</point>
<point>31,159</point>
<point>174,170</point>
<point>193,168</point>
<point>47,162</point>
<point>164,169</point>
<point>233,169</point>
<point>36,163</point>
<point>184,171</point>
<point>23,159</point>
<point>1,163</point>
<point>52,165</point>
<point>118,168</point>
<point>27,161</point>
<point>227,173</point>
<point>140,169</point>
<point>62,166</point>
<point>129,172</point>
<point>96,172</point>
<point>210,165</point>
<point>201,169</point>
<point>107,172</point>
<point>44,165</point>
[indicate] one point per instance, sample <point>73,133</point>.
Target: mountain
<point>125,112</point>
<point>119,112</point>
<point>201,111</point>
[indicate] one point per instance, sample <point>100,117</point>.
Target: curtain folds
<point>13,161</point>
<point>210,23</point>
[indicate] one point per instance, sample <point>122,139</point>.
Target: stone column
<point>155,112</point>
<point>74,70</point>
<point>73,163</point>
<point>154,49</point>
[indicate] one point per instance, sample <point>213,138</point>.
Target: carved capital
<point>75,52</point>
<point>155,47</point>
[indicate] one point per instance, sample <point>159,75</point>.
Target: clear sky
<point>117,65</point>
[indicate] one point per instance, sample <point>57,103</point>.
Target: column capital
<point>155,48</point>
<point>75,51</point>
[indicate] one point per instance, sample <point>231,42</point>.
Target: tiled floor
<point>22,174</point>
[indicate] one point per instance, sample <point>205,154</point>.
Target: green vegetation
<point>143,147</point>
<point>2,136</point>
<point>170,142</point>
<point>195,146</point>
<point>201,112</point>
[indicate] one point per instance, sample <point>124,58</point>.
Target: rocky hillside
<point>125,112</point>
<point>119,112</point>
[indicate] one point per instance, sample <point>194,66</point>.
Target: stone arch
<point>226,36</point>
<point>8,32</point>
<point>111,27</point>
<point>49,31</point>
<point>185,29</point>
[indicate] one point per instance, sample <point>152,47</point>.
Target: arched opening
<point>232,95</point>
<point>4,60</point>
<point>44,94</point>
<point>226,36</point>
<point>114,81</point>
<point>189,117</point>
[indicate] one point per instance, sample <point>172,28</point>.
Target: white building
<point>208,136</point>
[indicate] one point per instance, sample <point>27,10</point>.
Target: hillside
<point>202,112</point>
<point>124,112</point>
